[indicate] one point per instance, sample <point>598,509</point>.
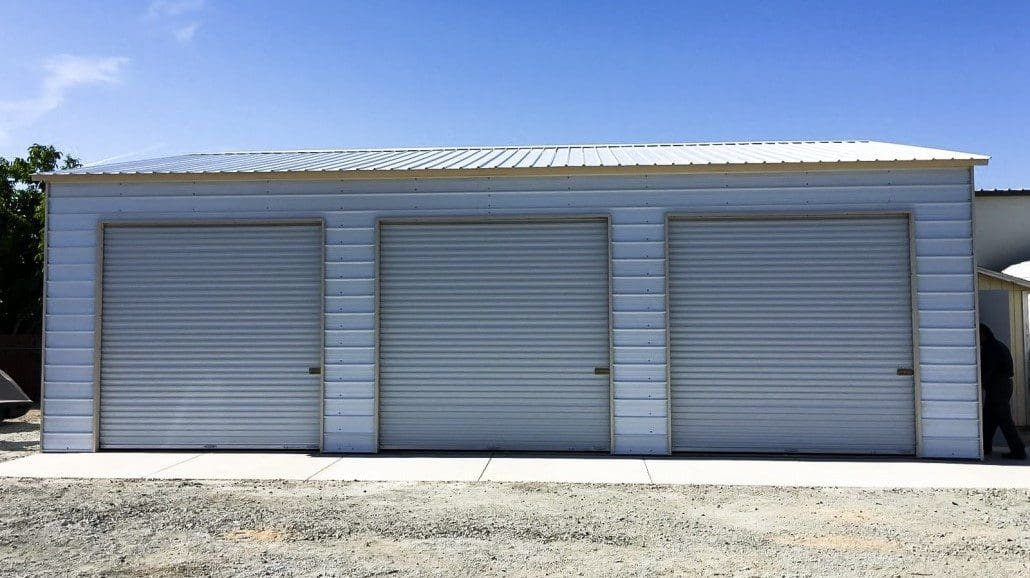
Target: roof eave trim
<point>1003,193</point>
<point>509,172</point>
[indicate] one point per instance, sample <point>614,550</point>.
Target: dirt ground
<point>250,528</point>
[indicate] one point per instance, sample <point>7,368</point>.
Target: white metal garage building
<point>634,299</point>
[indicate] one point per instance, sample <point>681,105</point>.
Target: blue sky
<point>136,79</point>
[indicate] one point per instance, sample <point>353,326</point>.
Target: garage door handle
<point>315,370</point>
<point>906,371</point>
<point>602,371</point>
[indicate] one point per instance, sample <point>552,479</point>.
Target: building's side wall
<point>1002,240</point>
<point>1002,230</point>
<point>938,199</point>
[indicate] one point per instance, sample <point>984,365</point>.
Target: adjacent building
<point>1002,238</point>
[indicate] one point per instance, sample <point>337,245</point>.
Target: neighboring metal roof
<point>518,158</point>
<point>1003,192</point>
<point>1013,282</point>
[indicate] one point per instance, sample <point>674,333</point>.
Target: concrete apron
<point>743,471</point>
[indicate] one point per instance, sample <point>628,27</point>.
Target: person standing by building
<point>996,380</point>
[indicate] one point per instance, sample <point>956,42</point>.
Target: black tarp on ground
<point>13,401</point>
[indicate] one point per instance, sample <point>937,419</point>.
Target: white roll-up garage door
<point>490,334</point>
<point>791,334</point>
<point>211,336</point>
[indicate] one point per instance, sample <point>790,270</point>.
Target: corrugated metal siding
<point>787,334</point>
<point>939,199</point>
<point>207,337</point>
<point>532,157</point>
<point>490,333</point>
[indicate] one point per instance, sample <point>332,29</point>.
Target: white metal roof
<point>515,158</point>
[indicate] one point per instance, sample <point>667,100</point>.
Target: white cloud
<point>185,33</point>
<point>166,8</point>
<point>60,74</point>
<point>176,15</point>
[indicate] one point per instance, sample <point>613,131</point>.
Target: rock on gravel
<point>168,528</point>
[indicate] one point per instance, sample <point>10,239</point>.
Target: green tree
<point>22,210</point>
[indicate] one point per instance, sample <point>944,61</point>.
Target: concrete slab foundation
<point>406,469</point>
<point>93,465</point>
<point>249,466</point>
<point>574,470</point>
<point>743,471</point>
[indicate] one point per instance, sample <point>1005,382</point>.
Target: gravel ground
<point>20,436</point>
<point>250,528</point>
<point>162,528</point>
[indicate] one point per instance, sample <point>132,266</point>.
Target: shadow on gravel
<point>9,427</point>
<point>26,446</point>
